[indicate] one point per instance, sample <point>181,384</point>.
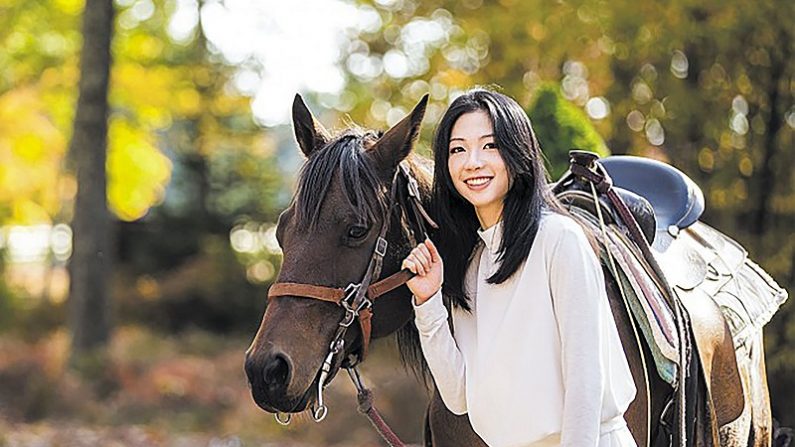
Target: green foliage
<point>167,96</point>
<point>561,126</point>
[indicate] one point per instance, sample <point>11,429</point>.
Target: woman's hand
<point>426,263</point>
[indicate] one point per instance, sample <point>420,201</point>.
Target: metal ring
<point>319,413</point>
<point>285,421</point>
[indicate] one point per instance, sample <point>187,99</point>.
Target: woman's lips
<point>478,183</point>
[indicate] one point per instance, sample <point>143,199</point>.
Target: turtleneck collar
<point>492,237</point>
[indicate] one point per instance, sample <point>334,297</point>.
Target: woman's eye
<point>457,149</point>
<point>357,232</point>
<point>490,146</point>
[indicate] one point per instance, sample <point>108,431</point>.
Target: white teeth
<point>477,181</point>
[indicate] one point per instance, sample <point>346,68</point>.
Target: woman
<point>534,356</point>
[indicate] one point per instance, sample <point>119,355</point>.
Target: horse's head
<point>328,236</point>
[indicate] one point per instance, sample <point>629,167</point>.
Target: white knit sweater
<point>538,360</point>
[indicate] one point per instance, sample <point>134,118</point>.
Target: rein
<point>357,300</point>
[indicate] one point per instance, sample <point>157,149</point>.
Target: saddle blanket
<point>644,298</point>
<point>704,261</point>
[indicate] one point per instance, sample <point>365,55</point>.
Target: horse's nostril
<point>276,372</point>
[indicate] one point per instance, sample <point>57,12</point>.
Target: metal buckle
<point>351,312</point>
<point>350,291</point>
<point>336,347</point>
<point>350,315</point>
<point>380,246</point>
<point>365,304</point>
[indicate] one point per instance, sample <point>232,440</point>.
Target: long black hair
<point>527,196</point>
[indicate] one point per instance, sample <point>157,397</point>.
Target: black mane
<point>361,185</point>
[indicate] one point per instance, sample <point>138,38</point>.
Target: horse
<point>329,234</point>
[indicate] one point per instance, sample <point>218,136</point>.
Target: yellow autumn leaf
<point>31,157</point>
<point>137,172</point>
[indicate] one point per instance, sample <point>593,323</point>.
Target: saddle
<point>677,201</point>
<point>704,267</point>
<point>705,270</point>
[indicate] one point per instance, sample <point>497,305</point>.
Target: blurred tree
<point>185,159</point>
<point>560,126</point>
<point>88,296</point>
<point>223,173</point>
<point>37,92</point>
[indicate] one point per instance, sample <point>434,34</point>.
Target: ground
<point>185,390</point>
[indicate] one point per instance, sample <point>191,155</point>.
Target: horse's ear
<point>310,134</point>
<point>397,142</point>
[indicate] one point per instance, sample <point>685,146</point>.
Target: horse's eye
<point>357,232</point>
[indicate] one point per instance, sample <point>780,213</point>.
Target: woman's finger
<point>432,249</point>
<point>408,264</point>
<point>426,253</point>
<point>418,268</point>
<point>424,260</point>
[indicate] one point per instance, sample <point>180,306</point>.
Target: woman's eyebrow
<point>463,139</point>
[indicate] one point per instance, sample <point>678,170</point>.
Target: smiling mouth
<point>476,182</point>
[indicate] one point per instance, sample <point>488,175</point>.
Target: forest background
<point>141,341</point>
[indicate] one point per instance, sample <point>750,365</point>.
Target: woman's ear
<point>397,142</point>
<point>309,133</point>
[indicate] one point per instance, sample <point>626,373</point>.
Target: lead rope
<point>614,271</point>
<point>365,398</point>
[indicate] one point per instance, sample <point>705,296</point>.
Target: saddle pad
<point>747,296</point>
<point>654,317</point>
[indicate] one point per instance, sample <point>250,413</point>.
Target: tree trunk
<point>89,303</point>
<point>766,174</point>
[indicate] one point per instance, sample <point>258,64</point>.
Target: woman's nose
<point>474,160</point>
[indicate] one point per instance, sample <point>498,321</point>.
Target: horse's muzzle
<point>269,377</point>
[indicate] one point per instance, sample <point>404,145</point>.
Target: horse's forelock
<point>362,189</point>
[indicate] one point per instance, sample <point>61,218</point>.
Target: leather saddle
<point>676,199</point>
<point>677,204</point>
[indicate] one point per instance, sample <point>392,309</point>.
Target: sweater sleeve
<point>578,296</point>
<point>441,352</point>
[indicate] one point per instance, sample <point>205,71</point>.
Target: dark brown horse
<point>328,235</point>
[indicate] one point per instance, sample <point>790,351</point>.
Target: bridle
<point>357,299</point>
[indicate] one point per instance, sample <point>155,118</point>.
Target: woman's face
<point>476,166</point>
